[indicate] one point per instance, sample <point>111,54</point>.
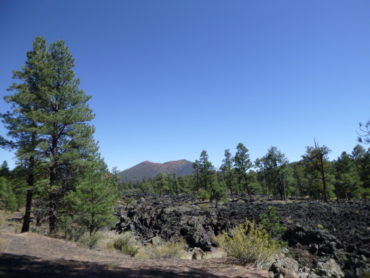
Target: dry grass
<point>110,241</point>
<point>167,250</point>
<point>126,243</point>
<point>9,226</point>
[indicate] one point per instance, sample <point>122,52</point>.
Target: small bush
<point>109,241</point>
<point>72,231</point>
<point>249,244</point>
<point>126,244</point>
<point>202,194</point>
<point>162,251</point>
<point>271,222</point>
<point>90,241</point>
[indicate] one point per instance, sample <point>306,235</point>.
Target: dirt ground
<point>34,255</point>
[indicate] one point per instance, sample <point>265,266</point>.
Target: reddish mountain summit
<point>147,169</point>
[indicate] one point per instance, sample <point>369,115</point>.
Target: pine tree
<point>62,117</point>
<point>49,120</point>
<point>4,169</point>
<point>92,203</point>
<point>204,176</point>
<point>161,183</point>
<point>242,164</point>
<point>273,166</point>
<point>317,168</point>
<point>218,190</point>
<point>361,159</point>
<point>347,180</point>
<point>19,121</point>
<point>8,200</point>
<point>228,171</point>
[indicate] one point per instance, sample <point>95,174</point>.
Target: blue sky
<point>171,78</point>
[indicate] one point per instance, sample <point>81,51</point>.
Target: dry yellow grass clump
<point>127,244</point>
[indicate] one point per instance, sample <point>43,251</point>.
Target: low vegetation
<point>165,250</point>
<point>270,221</point>
<point>110,241</point>
<point>128,245</point>
<point>249,244</point>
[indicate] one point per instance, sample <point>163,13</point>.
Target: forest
<point>314,176</point>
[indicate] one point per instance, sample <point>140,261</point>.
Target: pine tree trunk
<point>30,183</point>
<point>324,193</point>
<point>53,183</point>
<point>52,201</point>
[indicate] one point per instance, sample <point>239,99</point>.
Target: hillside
<point>147,169</point>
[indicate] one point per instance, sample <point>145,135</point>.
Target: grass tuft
<point>165,250</point>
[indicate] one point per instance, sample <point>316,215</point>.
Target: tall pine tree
<point>227,171</point>
<point>19,121</point>
<point>242,164</point>
<point>50,115</point>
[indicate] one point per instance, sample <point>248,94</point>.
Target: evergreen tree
<point>19,121</point>
<point>255,183</point>
<point>228,171</point>
<point>49,121</point>
<point>301,186</point>
<point>317,168</point>
<point>62,115</point>
<point>361,159</point>
<point>274,166</point>
<point>218,190</point>
<point>8,200</point>
<point>206,171</point>
<point>92,203</point>
<point>146,186</point>
<point>185,183</point>
<point>162,183</point>
<point>4,169</point>
<point>242,164</point>
<point>173,183</point>
<point>347,180</point>
<point>204,175</point>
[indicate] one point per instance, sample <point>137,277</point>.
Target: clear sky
<point>171,78</point>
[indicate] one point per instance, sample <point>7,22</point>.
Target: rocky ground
<point>325,239</point>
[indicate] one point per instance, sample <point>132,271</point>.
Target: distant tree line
<point>314,176</point>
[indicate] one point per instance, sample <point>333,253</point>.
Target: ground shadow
<point>31,267</point>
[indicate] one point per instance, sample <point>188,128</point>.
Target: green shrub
<point>73,231</point>
<point>90,241</point>
<point>271,222</point>
<point>163,251</point>
<point>202,194</point>
<point>126,244</point>
<point>249,244</point>
<point>8,199</point>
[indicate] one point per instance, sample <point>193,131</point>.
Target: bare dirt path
<point>33,255</point>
